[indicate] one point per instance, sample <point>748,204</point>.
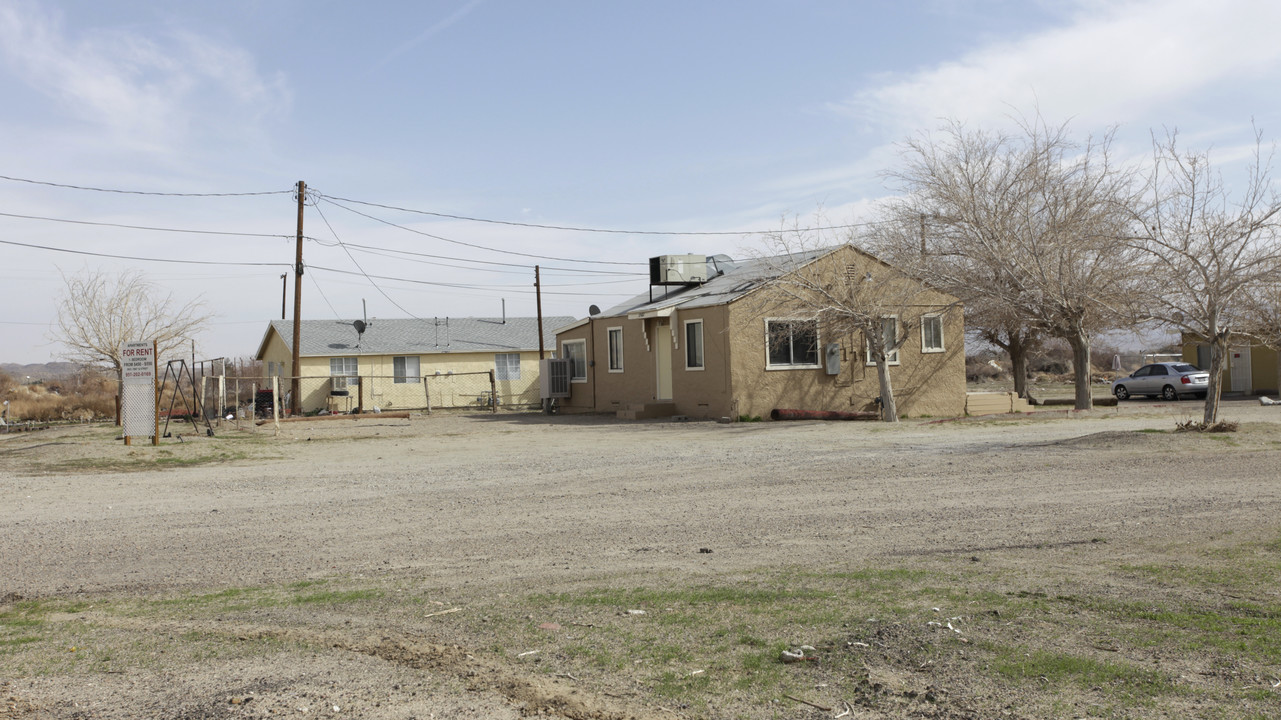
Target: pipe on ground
<point>779,414</point>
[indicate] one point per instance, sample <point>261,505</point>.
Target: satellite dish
<point>593,310</point>
<point>360,327</point>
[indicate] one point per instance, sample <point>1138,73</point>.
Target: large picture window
<point>791,343</point>
<point>576,353</point>
<point>506,366</point>
<point>342,370</point>
<point>405,369</point>
<point>693,344</point>
<point>615,349</point>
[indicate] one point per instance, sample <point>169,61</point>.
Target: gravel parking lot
<point>484,504</point>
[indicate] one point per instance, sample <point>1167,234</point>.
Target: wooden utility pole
<point>295,385</point>
<point>538,300</point>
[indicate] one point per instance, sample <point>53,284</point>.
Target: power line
<point>143,227</point>
<point>140,192</point>
<point>358,267</point>
<point>571,228</point>
<point>144,259</point>
<point>458,286</point>
<point>522,266</point>
<point>466,244</point>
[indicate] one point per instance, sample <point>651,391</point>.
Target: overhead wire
<point>144,259</point>
<point>571,228</point>
<point>139,192</point>
<point>358,267</point>
<point>452,285</point>
<point>144,227</point>
<point>467,244</point>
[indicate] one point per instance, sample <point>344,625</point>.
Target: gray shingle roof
<point>738,279</point>
<point>419,337</point>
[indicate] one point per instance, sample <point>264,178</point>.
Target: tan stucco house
<point>721,346</point>
<point>400,360</point>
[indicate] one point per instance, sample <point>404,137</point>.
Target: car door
<point>1156,380</point>
<point>1139,380</point>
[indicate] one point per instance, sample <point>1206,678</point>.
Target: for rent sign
<point>138,361</point>
<point>138,392</point>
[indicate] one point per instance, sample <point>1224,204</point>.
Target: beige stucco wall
<point>1263,366</point>
<point>695,392</point>
<point>735,380</point>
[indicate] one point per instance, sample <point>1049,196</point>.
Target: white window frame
<point>926,319</point>
<point>698,345</point>
<point>793,366</point>
<point>574,377</point>
<point>890,359</point>
<point>338,380</point>
<point>402,375</point>
<point>615,353</point>
<point>503,369</point>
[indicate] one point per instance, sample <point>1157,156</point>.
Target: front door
<point>663,360</point>
<point>1239,369</point>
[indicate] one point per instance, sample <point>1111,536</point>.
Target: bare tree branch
<point>99,312</point>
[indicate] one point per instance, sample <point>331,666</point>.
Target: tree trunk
<point>889,411</point>
<point>1218,353</point>
<point>1018,351</point>
<point>1081,370</point>
<point>120,394</point>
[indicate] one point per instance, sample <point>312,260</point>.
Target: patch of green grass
<point>337,597</point>
<point>1057,668</point>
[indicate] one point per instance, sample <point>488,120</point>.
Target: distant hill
<point>39,371</point>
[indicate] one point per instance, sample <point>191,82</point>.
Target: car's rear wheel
<point>1169,393</point>
<point>1121,393</point>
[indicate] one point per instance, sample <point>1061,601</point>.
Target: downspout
<point>591,342</point>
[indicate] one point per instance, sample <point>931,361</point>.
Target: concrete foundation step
<point>995,403</point>
<point>647,411</point>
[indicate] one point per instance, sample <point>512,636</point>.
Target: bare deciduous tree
<point>1205,251</point>
<point>1031,224</point>
<point>848,293</point>
<point>99,312</point>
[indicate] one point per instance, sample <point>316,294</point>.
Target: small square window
<point>342,371</point>
<point>405,370</point>
<point>506,366</point>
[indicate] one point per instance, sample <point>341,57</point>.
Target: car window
<point>1159,370</point>
<point>1186,368</point>
<point>1143,371</point>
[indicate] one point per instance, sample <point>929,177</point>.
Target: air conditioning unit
<point>553,377</point>
<point>678,270</point>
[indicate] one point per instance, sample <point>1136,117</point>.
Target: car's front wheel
<point>1169,393</point>
<point>1121,393</point>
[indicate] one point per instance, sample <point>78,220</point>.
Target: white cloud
<point>143,92</point>
<point>1113,63</point>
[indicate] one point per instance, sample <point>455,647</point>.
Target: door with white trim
<point>1239,369</point>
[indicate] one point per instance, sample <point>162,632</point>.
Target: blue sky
<point>668,116</point>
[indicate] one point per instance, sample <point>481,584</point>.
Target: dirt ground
<point>483,506</point>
